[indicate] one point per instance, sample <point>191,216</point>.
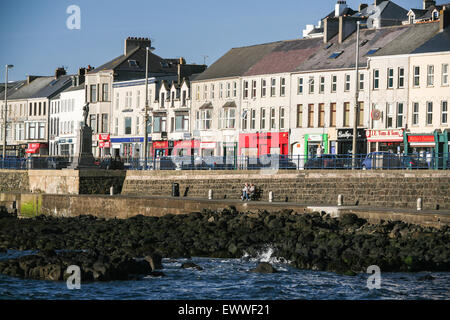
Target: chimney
<point>339,8</point>
<point>31,78</point>
<point>428,3</point>
<point>133,42</point>
<point>330,28</point>
<point>377,2</point>
<point>347,26</point>
<point>444,20</point>
<point>362,6</point>
<point>60,72</point>
<point>181,62</point>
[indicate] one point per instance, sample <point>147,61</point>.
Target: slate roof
<point>440,42</point>
<point>30,90</point>
<point>12,87</point>
<point>414,37</point>
<point>54,87</point>
<point>388,11</point>
<point>236,62</point>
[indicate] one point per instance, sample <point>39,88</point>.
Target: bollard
<point>340,200</point>
<point>271,196</point>
<point>111,190</point>
<point>210,194</point>
<point>419,204</point>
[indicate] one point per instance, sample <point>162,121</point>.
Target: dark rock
<point>191,265</point>
<point>427,277</point>
<point>264,267</point>
<point>155,261</point>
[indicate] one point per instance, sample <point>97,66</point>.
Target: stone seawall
<point>14,181</point>
<point>398,189</point>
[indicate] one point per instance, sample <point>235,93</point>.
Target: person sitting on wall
<point>245,192</point>
<point>252,191</point>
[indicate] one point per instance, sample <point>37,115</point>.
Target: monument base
<point>85,159</point>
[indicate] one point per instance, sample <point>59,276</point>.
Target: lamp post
<point>147,49</point>
<point>8,66</point>
<point>356,108</point>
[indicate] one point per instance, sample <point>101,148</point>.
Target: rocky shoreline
<point>123,249</point>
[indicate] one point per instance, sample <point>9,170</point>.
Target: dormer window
<point>133,63</point>
<point>335,55</point>
<point>372,51</point>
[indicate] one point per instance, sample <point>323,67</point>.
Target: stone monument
<point>85,159</point>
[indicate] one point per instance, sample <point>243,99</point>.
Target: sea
<point>232,279</point>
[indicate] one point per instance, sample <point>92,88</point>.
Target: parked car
<point>329,161</point>
<point>382,160</point>
<point>111,164</point>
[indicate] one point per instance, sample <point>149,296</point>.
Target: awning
<point>229,104</point>
<point>207,105</point>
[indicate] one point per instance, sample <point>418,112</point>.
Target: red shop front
<point>185,147</point>
<point>160,148</point>
<point>37,148</point>
<point>257,144</point>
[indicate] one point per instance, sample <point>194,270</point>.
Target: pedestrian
<point>319,151</point>
<point>245,192</point>
<point>252,190</point>
<point>429,159</point>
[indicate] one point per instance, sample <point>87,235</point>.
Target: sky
<point>36,40</point>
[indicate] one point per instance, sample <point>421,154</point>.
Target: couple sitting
<point>248,192</point>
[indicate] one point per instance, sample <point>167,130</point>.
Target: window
<point>321,115</point>
<point>415,119</point>
<point>93,122</point>
<point>300,86</point>
<point>430,76</point>
<point>282,87</point>
<point>361,81</point>
<point>401,77</point>
<point>333,115</point>
<point>184,97</point>
<point>105,123</point>
<point>211,93</point>
<point>282,118</point>
<point>263,88</point>
<point>138,99</point>
<point>253,119</point>
<point>444,75</point>
<point>400,115</point>
<point>40,108</point>
<point>444,112</point>
<point>127,125</point>
<point>197,88</point>
<point>372,51</point>
<point>245,89</point>
<point>360,114</point>
<point>429,113</point>
<point>159,124</point>
<point>163,98</point>
<point>376,79</point>
<point>41,130</point>
<point>335,55</point>
<point>390,115</point>
<point>205,92</point>
<point>346,114</point>
<point>206,119</point>
<point>228,89</point>
<point>333,83</point>
<point>244,119</point>
<point>273,83</point>
<point>310,115</point>
<point>235,89</point>
<point>347,82</point>
<point>254,89</point>
<point>181,123</point>
<point>227,118</point>
<point>299,115</point>
<point>416,76</point>
<point>273,124</point>
<point>128,99</point>
<point>322,85</point>
<point>263,119</point>
<point>311,84</point>
<point>93,93</point>
<point>105,92</point>
<point>390,80</point>
<point>116,126</point>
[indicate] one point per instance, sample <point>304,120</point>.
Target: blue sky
<point>36,40</point>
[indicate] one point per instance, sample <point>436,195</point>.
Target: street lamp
<point>8,66</point>
<point>147,50</point>
<point>356,108</point>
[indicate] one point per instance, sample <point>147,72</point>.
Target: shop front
<point>14,150</point>
<point>386,140</point>
<point>185,147</point>
<point>126,148</point>
<point>37,149</point>
<point>207,149</point>
<point>427,146</point>
<point>66,146</point>
<point>312,143</point>
<point>258,144</point>
<point>345,141</point>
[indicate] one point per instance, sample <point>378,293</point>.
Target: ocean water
<point>231,279</point>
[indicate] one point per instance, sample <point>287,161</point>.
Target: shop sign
<point>104,137</point>
<point>420,139</point>
<point>208,145</point>
<point>347,134</point>
<point>384,135</point>
<point>104,144</point>
<point>160,145</point>
<point>33,148</point>
<point>315,137</point>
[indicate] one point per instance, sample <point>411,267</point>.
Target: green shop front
<point>312,142</point>
<point>433,147</point>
